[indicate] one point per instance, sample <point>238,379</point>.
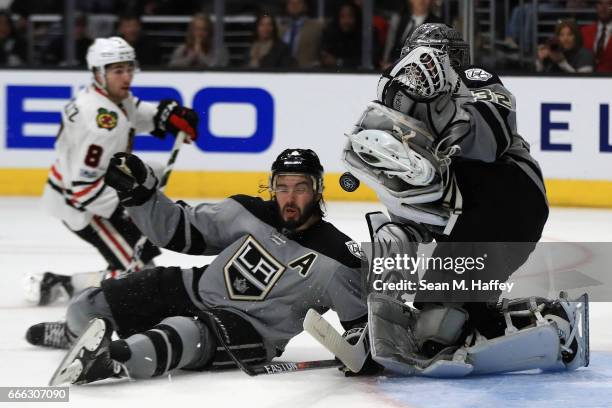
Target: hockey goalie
<point>440,148</point>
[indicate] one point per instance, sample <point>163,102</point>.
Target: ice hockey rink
<point>32,241</point>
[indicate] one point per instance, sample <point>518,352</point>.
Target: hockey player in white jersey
<point>441,149</point>
<point>99,122</point>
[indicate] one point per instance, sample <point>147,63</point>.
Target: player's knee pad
<point>176,342</point>
<point>196,340</point>
<point>87,305</point>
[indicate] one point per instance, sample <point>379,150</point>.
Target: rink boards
<point>248,118</point>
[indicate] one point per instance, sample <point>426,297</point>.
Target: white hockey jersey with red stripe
<point>94,128</point>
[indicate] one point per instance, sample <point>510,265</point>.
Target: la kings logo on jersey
<point>252,272</point>
<point>477,74</point>
<point>355,249</point>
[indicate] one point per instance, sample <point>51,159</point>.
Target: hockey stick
<point>267,368</point>
<point>139,246</point>
<point>287,367</point>
<point>352,356</point>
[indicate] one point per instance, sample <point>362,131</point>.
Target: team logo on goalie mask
<point>251,272</point>
<point>106,119</point>
<point>477,74</point>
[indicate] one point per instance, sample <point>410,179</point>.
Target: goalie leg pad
<point>394,344</point>
<point>388,240</point>
<point>527,349</point>
<point>392,341</point>
<point>442,324</point>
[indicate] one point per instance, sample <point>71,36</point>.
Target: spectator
<point>597,36</point>
<point>401,26</point>
<point>130,29</point>
<point>12,46</point>
<point>519,31</point>
<point>267,50</point>
<point>341,46</point>
<point>380,23</point>
<point>54,53</point>
<point>564,52</point>
<point>198,50</point>
<point>302,34</point>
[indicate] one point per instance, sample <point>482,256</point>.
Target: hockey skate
<point>42,289</point>
<point>49,334</point>
<point>572,320</point>
<point>89,358</point>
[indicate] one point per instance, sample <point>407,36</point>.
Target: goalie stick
<point>139,246</point>
<point>352,356</point>
<point>267,368</point>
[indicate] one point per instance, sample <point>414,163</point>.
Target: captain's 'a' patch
<point>304,263</point>
<point>251,272</point>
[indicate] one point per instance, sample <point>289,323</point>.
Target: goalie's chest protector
<point>276,276</point>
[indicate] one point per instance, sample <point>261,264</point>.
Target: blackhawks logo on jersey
<point>106,119</point>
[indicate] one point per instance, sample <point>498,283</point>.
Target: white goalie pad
<point>383,150</point>
<point>397,157</point>
<point>394,344</point>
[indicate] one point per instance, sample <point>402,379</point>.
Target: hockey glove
<point>173,118</point>
<point>370,367</point>
<point>134,181</point>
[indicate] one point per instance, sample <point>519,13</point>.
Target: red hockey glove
<point>171,117</point>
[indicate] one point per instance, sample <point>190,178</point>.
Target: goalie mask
<point>442,37</point>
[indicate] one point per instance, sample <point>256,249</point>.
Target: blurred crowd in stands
<point>554,36</point>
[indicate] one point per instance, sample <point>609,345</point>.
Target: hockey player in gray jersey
<point>274,260</point>
<point>441,149</point>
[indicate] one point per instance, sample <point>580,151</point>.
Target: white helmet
<point>106,51</point>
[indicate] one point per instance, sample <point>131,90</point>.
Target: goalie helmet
<point>105,51</point>
<point>442,37</point>
<point>298,161</point>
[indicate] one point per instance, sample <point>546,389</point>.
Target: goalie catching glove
<point>134,181</point>
<point>173,118</point>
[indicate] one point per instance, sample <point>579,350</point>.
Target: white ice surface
<point>31,241</point>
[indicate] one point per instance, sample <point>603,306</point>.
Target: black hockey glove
<point>370,367</point>
<point>134,181</point>
<point>171,117</point>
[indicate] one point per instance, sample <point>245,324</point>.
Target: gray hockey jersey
<point>479,116</point>
<point>268,276</point>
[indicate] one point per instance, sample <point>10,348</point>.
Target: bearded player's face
<point>295,197</point>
